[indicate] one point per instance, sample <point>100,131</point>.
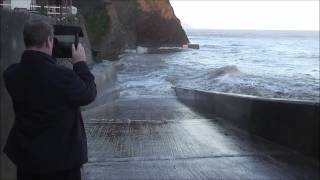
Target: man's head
<point>38,35</point>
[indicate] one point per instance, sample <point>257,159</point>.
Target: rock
<point>114,25</point>
<point>157,24</point>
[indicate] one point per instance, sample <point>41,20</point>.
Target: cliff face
<point>114,25</point>
<point>157,24</point>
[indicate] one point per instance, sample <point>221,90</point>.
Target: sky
<point>249,14</point>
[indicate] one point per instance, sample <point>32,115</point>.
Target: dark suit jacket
<point>48,133</point>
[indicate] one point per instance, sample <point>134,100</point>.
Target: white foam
<point>142,50</point>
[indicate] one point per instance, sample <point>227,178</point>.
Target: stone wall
<point>11,48</point>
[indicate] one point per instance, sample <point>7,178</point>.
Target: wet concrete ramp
<point>160,138</point>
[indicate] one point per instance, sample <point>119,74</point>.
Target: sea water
<point>271,64</point>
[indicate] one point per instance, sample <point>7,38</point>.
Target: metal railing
<point>51,10</point>
<point>5,5</point>
<point>45,10</point>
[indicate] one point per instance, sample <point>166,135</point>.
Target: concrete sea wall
<point>11,48</point>
<point>294,124</point>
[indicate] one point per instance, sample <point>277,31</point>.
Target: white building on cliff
<point>17,4</point>
<point>52,7</point>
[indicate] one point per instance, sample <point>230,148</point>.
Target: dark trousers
<point>72,174</point>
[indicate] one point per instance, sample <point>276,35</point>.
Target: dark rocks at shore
<point>114,26</point>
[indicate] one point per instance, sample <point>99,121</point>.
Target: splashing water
<point>263,63</point>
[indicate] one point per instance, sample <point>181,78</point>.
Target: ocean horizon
<point>269,64</point>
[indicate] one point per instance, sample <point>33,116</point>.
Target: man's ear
<point>49,42</point>
<point>46,43</point>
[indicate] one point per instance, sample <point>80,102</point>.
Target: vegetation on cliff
<point>116,25</point>
<point>98,25</point>
<point>97,20</point>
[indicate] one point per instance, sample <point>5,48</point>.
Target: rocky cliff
<point>114,25</point>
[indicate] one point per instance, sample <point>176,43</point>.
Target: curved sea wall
<point>11,48</point>
<point>294,124</point>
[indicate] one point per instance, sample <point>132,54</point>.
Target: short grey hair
<point>36,32</point>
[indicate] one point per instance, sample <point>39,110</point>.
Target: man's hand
<point>78,54</point>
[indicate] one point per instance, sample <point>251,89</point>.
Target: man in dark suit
<point>48,140</point>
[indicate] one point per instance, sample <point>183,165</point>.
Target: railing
<point>52,10</point>
<point>46,10</point>
<point>5,5</point>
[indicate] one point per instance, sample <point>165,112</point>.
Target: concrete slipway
<point>161,138</point>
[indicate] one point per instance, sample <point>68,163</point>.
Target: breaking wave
<point>218,72</point>
<point>256,68</point>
